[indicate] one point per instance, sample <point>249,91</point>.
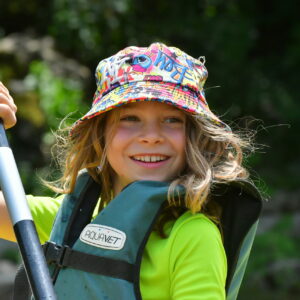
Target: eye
<point>129,118</point>
<point>171,120</point>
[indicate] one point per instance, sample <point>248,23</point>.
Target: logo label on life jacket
<point>103,237</point>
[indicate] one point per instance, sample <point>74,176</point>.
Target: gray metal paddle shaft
<point>12,187</point>
<point>24,228</point>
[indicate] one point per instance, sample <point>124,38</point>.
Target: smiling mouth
<point>150,158</point>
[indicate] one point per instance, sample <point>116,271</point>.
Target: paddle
<point>24,228</point>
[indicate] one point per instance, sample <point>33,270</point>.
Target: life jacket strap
<point>64,256</point>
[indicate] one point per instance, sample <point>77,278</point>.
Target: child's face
<point>147,143</point>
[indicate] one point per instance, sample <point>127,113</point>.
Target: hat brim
<point>181,97</point>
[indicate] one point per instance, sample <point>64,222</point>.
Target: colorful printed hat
<point>157,73</point>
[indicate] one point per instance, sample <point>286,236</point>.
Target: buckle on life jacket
<point>56,254</point>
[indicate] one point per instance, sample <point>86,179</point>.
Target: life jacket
<point>101,259</point>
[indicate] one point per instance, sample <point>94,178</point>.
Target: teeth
<point>150,158</point>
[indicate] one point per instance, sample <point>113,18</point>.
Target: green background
<point>48,53</point>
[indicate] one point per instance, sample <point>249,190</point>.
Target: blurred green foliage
<point>11,255</point>
<point>58,96</point>
<point>273,269</point>
<point>252,50</point>
<point>276,245</point>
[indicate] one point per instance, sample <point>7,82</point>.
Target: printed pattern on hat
<point>157,73</point>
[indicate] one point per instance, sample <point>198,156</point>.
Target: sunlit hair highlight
<point>84,150</point>
<point>213,155</point>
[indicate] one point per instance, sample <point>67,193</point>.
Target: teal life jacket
<point>101,259</point>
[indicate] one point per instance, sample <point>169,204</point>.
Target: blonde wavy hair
<point>213,154</point>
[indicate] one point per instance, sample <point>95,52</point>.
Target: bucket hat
<point>154,73</point>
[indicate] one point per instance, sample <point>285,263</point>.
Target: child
<point>151,143</point>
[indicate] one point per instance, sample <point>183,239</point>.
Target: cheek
<point>117,145</point>
<point>179,141</point>
<point>119,140</point>
<point>114,157</point>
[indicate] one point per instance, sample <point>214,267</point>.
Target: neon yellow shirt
<point>190,264</point>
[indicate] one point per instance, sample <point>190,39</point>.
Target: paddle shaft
<point>24,228</point>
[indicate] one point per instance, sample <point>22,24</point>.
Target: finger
<point>7,101</point>
<point>3,88</point>
<point>5,98</point>
<point>8,116</point>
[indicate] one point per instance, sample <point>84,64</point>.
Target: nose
<point>151,134</point>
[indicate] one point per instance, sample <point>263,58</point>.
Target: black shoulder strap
<point>64,256</point>
<point>241,206</point>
